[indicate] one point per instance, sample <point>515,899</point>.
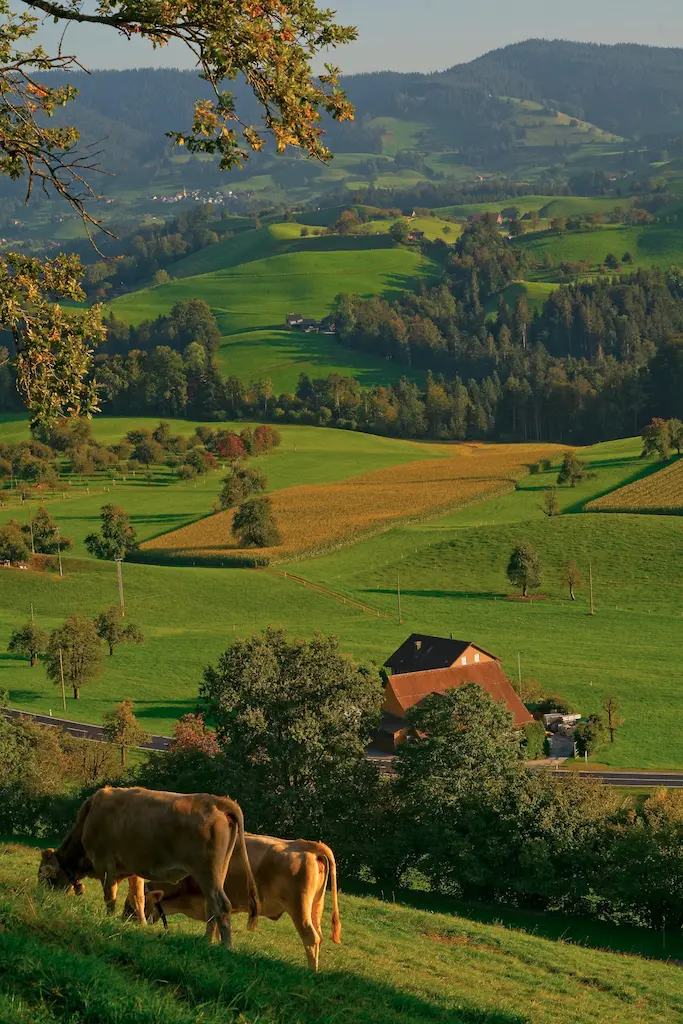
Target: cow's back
<point>283,869</point>
<point>149,833</point>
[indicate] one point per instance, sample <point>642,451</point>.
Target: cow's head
<point>52,872</point>
<point>153,908</point>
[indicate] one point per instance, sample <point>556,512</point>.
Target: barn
<point>423,665</point>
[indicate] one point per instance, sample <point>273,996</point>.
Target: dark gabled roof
<point>432,652</point>
<point>294,317</point>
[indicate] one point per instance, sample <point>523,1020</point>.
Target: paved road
<point>633,778</point>
<point>82,730</point>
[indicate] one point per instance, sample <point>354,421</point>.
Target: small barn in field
<point>423,665</point>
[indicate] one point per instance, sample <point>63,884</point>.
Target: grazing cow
<point>140,833</point>
<point>291,877</point>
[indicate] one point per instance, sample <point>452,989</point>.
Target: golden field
<point>658,494</point>
<point>317,518</point>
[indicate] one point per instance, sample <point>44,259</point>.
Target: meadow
<point>317,518</point>
<point>660,494</point>
<point>652,245</point>
<point>62,960</point>
<point>251,295</point>
<point>452,576</point>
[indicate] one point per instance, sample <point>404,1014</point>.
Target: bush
<point>533,740</point>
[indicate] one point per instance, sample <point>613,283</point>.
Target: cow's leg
<point>111,887</point>
<point>301,916</point>
<point>136,891</point>
<point>211,932</point>
<point>217,907</point>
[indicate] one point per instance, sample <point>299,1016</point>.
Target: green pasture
<point>64,961</point>
<point>653,245</point>
<point>452,578</point>
<point>536,292</point>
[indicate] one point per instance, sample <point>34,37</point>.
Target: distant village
<point>199,195</point>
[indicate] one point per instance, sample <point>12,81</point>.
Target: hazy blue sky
<point>426,35</point>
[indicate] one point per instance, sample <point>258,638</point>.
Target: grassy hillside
<point>652,245</point>
<point>452,572</point>
<point>62,960</point>
<point>251,294</point>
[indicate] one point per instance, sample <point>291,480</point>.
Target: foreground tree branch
<point>269,43</point>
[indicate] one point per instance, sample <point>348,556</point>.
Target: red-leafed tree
<point>192,733</point>
<point>230,447</point>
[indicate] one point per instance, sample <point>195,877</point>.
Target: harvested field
<point>658,494</point>
<point>315,519</point>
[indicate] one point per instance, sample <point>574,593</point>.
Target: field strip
<point>324,590</point>
<point>660,493</point>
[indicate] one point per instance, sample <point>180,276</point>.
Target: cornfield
<point>318,518</point>
<point>660,493</point>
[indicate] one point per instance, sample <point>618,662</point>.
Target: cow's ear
<point>155,896</point>
<point>48,865</point>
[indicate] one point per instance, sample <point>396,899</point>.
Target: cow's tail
<point>324,851</point>
<point>235,812</point>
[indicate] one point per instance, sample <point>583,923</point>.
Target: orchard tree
<point>551,503</point>
<point>611,706</point>
<point>110,628</point>
<point>28,641</point>
<point>122,728</point>
<point>269,45</point>
<point>116,538</point>
<point>191,733</point>
<point>13,546</point>
<point>524,568</point>
<point>400,232</point>
<point>572,471</point>
<point>81,652</point>
<point>573,577</point>
<point>656,439</point>
<point>46,536</point>
<point>239,483</point>
<point>675,429</point>
<point>254,524</point>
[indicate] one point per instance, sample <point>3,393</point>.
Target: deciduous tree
<point>81,652</point>
<point>551,503</point>
<point>13,546</point>
<point>239,483</point>
<point>572,471</point>
<point>29,641</point>
<point>254,524</point>
<point>573,577</point>
<point>611,706</point>
<point>656,439</point>
<point>110,628</point>
<point>122,728</point>
<point>116,538</point>
<point>524,568</point>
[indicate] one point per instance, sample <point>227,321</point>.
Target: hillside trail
<point>324,590</point>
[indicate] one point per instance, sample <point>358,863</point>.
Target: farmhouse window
<point>476,658</point>
<point>463,661</point>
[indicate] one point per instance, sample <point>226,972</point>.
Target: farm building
<point>423,665</point>
<point>296,322</point>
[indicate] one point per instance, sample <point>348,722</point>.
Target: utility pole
<point>590,582</point>
<point>61,675</point>
<point>33,620</point>
<point>398,594</point>
<point>59,553</point>
<point>120,579</point>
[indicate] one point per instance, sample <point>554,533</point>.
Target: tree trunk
<point>34,660</point>
<point>611,734</point>
<point>524,590</point>
<point>77,693</point>
<point>111,649</point>
<point>123,756</point>
<point>572,595</point>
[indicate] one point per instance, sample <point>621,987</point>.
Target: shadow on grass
<point>107,972</point>
<point>580,931</point>
<point>168,709</point>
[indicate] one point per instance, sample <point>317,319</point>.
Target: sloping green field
<point>63,962</point>
<point>250,295</point>
<point>652,245</point>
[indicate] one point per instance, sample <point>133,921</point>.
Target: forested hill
<point>628,89</point>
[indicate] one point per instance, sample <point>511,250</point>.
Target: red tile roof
<point>410,688</point>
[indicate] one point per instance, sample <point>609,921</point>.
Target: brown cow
<point>140,833</point>
<point>291,877</point>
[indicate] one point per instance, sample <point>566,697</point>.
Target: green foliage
<point>572,471</point>
<point>254,524</point>
<point>122,728</point>
<point>675,430</point>
<point>657,440</point>
<point>13,546</point>
<point>524,568</point>
<point>81,657</point>
<point>533,740</point>
<point>239,484</point>
<point>399,232</point>
<point>46,534</point>
<point>112,629</point>
<point>589,734</point>
<point>28,641</point>
<point>117,537</point>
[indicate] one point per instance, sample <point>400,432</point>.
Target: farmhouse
<point>296,322</point>
<point>424,665</point>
